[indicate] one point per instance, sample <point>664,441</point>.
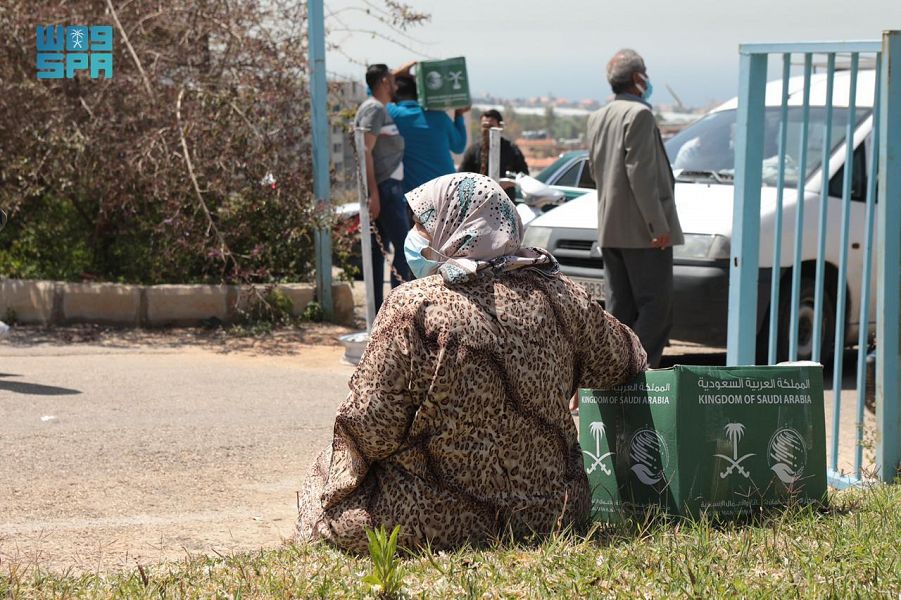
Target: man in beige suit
<point>637,221</point>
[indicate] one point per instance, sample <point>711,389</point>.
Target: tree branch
<point>378,34</point>
<point>334,14</point>
<point>211,225</point>
<point>131,50</point>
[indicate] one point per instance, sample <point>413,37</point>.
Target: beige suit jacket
<point>634,179</point>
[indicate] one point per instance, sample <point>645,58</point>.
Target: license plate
<point>594,287</point>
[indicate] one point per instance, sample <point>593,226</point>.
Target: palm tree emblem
<point>734,431</point>
<point>77,38</point>
<point>597,430</point>
<point>455,76</point>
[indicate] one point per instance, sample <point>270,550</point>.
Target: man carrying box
<point>429,135</point>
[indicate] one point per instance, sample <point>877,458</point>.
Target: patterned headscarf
<point>473,225</point>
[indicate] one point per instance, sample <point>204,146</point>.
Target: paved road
<point>139,449</point>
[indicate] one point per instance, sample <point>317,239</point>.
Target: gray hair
<point>621,67</point>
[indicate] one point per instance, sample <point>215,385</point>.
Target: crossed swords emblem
<point>734,431</point>
<point>597,431</point>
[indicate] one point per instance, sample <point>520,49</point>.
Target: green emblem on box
<point>443,84</point>
<point>721,440</point>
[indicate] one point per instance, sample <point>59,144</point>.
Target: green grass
<point>853,549</point>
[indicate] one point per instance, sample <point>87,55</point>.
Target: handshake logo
<point>63,51</point>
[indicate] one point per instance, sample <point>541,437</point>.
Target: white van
<point>702,157</point>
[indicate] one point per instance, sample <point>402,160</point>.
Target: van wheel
<point>806,314</point>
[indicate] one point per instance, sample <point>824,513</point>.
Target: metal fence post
<point>321,143</point>
<point>365,226</point>
<point>888,350</point>
<point>494,153</point>
<point>745,259</point>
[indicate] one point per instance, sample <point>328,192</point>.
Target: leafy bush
<point>267,306</point>
<point>191,164</point>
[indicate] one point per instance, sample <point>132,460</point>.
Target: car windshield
<point>706,149</point>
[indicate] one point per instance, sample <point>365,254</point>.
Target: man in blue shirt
<point>429,135</point>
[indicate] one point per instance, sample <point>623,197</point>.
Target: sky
<point>526,48</point>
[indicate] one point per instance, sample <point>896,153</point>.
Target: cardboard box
<point>443,84</point>
<point>720,440</point>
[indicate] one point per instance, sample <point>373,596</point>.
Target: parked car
<point>569,174</point>
<point>702,156</point>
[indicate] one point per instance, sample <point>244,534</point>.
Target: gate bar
<point>776,276</point>
<point>842,300</point>
<point>863,334</point>
<point>888,361</point>
<point>799,213</point>
<point>811,47</point>
<point>824,213</point>
<point>745,259</point>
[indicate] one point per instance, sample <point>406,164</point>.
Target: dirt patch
<point>279,341</point>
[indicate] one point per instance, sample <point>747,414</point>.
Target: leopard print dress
<point>457,425</point>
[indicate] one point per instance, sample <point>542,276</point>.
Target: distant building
<point>538,152</point>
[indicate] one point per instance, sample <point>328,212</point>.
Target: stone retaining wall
<point>50,302</point>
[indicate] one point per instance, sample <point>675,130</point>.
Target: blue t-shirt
<point>429,138</point>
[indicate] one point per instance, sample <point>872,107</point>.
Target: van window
<point>858,177</point>
<point>708,145</point>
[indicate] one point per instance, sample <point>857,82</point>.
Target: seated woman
<point>457,426</point>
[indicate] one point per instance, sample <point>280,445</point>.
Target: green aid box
<point>717,440</point>
<point>443,84</point>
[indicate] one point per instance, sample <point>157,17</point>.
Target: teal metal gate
<point>835,137</point>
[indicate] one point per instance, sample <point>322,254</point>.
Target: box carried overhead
<point>720,440</point>
<point>443,84</point>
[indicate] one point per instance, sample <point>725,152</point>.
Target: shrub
<point>191,164</point>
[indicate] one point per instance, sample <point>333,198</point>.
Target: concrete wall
<point>100,303</point>
<point>28,301</point>
<point>48,302</point>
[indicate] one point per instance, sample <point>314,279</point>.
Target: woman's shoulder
<point>414,294</point>
<point>556,283</point>
<point>578,292</point>
<point>432,290</point>
<point>429,306</point>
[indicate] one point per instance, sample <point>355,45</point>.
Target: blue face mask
<point>648,88</point>
<point>413,247</point>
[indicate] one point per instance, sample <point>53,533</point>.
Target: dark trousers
<point>639,293</point>
<point>393,225</point>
